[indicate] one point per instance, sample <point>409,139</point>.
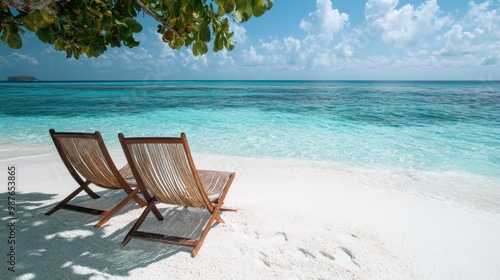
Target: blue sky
<point>306,40</point>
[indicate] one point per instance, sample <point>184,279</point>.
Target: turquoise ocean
<point>439,140</point>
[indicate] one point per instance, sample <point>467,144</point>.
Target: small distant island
<point>22,79</point>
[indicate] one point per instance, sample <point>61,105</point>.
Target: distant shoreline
<point>22,79</point>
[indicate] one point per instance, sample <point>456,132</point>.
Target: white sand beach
<point>295,220</point>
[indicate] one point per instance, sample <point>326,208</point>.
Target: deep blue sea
<point>445,136</point>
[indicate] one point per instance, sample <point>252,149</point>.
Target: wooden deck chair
<point>164,167</point>
<point>88,161</point>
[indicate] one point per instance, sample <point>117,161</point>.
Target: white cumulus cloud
<point>408,25</point>
<point>25,57</point>
<point>476,34</point>
<point>325,22</point>
<point>375,9</point>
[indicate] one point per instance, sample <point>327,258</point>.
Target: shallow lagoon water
<point>440,140</point>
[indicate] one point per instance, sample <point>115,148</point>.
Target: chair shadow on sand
<point>65,245</point>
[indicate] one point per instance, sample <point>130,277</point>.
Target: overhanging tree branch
<point>29,6</point>
<point>157,18</point>
<point>89,27</point>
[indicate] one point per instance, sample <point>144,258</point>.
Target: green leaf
<point>220,12</point>
<point>258,8</point>
<point>202,47</point>
<point>95,50</point>
<point>243,11</point>
<point>133,25</point>
<point>242,5</point>
<point>113,41</point>
<point>11,37</point>
<point>43,35</point>
<point>39,19</point>
<point>177,43</point>
<point>230,46</point>
<point>46,35</point>
<point>199,48</point>
<point>225,24</point>
<point>189,40</point>
<point>243,15</point>
<point>195,50</point>
<point>238,17</point>
<point>218,44</point>
<point>205,33</point>
<point>69,52</point>
<point>131,42</point>
<point>91,10</point>
<point>60,44</point>
<point>88,22</point>
<point>98,25</point>
<point>137,28</point>
<point>14,41</point>
<point>227,5</point>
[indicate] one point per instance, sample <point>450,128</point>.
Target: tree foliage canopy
<point>90,26</point>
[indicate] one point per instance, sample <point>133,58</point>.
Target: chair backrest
<point>85,154</point>
<point>164,166</point>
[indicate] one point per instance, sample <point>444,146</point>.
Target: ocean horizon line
<point>260,80</point>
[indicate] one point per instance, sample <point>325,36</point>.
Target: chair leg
<point>139,221</point>
<point>117,208</point>
<point>89,191</point>
<point>107,214</point>
<point>155,210</point>
<point>157,213</point>
<point>215,216</point>
<point>208,226</point>
<point>139,201</point>
<point>71,196</point>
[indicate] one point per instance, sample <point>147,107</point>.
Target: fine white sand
<point>295,220</point>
